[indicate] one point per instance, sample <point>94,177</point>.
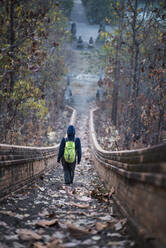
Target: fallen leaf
<point>71,216</point>
<point>2,223</point>
<point>112,191</point>
<point>38,245</point>
<point>19,216</point>
<point>53,244</point>
<point>92,214</point>
<point>100,226</point>
<point>26,234</point>
<point>80,205</point>
<point>45,223</point>
<point>54,195</point>
<point>10,213</point>
<point>77,232</point>
<point>52,215</point>
<point>84,198</point>
<point>118,226</point>
<point>106,218</point>
<point>26,215</point>
<point>41,231</point>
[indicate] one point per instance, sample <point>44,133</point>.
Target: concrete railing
<point>139,181</point>
<point>19,165</point>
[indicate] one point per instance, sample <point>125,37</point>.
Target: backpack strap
<point>66,139</point>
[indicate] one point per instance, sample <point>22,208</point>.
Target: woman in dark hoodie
<point>69,168</point>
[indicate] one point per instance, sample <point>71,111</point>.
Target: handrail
<point>152,159</point>
<point>21,164</point>
<point>139,181</point>
<point>32,149</point>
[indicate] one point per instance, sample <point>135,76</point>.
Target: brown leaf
<point>45,223</point>
<point>77,232</point>
<point>53,244</point>
<point>52,215</point>
<point>41,231</point>
<point>26,234</point>
<point>80,205</point>
<point>112,191</point>
<point>71,216</point>
<point>10,213</point>
<point>38,245</point>
<point>100,226</point>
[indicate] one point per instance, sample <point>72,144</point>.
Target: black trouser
<point>68,171</point>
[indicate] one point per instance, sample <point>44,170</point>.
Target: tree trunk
<point>162,103</point>
<point>135,76</point>
<point>135,115</point>
<point>116,89</point>
<point>117,69</point>
<point>11,42</point>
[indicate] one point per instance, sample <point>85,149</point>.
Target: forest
<point>33,36</point>
<point>33,39</point>
<point>135,68</point>
<point>82,123</point>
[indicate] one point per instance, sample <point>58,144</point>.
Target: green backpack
<point>69,151</point>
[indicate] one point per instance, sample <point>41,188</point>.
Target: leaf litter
<point>47,216</point>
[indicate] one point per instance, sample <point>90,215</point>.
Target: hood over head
<point>71,131</point>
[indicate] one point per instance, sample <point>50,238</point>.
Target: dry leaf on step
<point>80,205</point>
<point>38,245</point>
<point>45,223</point>
<point>53,244</point>
<point>112,191</point>
<point>100,226</point>
<point>26,234</point>
<point>77,232</point>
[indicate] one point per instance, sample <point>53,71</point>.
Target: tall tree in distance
<point>97,10</point>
